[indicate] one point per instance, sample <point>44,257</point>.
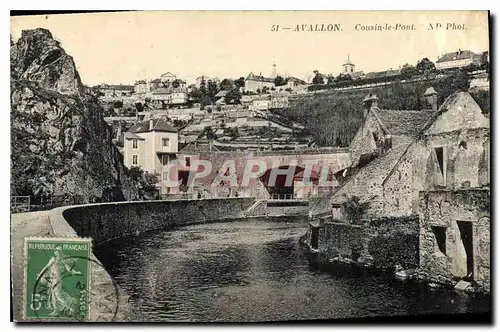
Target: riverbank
<point>430,280</point>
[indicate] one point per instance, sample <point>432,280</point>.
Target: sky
<point>120,48</point>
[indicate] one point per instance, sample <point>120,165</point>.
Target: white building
<point>457,59</point>
<point>150,146</point>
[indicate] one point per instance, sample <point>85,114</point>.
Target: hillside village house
<point>111,91</point>
<point>141,87</point>
<point>257,82</point>
<point>294,83</point>
<point>457,59</point>
<point>423,176</point>
<point>151,145</point>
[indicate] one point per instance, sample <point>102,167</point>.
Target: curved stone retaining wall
<point>107,221</point>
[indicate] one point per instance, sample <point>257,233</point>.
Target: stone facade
<point>398,155</point>
<point>448,220</point>
<point>381,243</point>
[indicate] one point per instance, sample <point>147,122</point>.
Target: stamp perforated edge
<point>25,269</point>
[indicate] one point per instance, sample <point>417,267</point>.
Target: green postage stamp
<point>57,278</point>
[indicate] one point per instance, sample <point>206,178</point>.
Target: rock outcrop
<point>61,145</point>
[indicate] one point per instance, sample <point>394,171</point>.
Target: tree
<point>460,80</point>
<point>175,84</point>
<point>425,67</point>
<point>240,82</point>
<point>194,93</point>
<point>318,78</point>
<point>212,90</point>
<point>227,84</point>
<point>139,107</point>
<point>233,96</point>
<point>343,78</point>
<point>279,81</point>
<point>145,182</point>
<point>408,71</point>
<point>118,104</point>
<point>209,133</point>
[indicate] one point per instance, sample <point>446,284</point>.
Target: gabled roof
<point>117,87</point>
<point>159,91</point>
<point>253,77</point>
<point>374,173</point>
<point>158,125</point>
<point>295,79</point>
<point>129,135</point>
<point>402,122</point>
<point>221,93</point>
<point>385,73</point>
<point>167,74</point>
<point>198,147</point>
<point>459,55</point>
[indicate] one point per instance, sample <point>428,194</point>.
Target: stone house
<point>458,59</point>
<point>444,176</point>
<point>257,82</point>
<point>403,162</point>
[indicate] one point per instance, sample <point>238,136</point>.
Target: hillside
<point>61,145</point>
<point>333,117</point>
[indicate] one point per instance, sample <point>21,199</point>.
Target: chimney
<point>151,124</point>
<point>431,98</point>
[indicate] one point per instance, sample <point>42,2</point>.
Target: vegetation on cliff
<point>61,145</point>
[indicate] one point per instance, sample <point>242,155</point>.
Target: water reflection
<point>254,270</point>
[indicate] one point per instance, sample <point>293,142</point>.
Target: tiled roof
<point>158,125</point>
<point>129,135</point>
<point>198,147</point>
<point>298,80</point>
<point>259,78</point>
<point>374,173</point>
<point>459,55</point>
<point>117,87</point>
<point>386,73</point>
<point>160,91</point>
<point>402,122</point>
<point>221,93</point>
<point>140,82</point>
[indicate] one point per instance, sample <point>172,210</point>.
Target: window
<point>188,161</point>
<point>441,166</point>
<point>134,144</point>
<point>165,141</point>
<point>135,159</point>
<point>440,234</point>
<point>165,159</point>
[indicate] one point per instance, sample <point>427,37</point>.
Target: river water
<point>254,270</point>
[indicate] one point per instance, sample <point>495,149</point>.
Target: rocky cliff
<point>61,145</point>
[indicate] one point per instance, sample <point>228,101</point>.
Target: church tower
<point>274,73</point>
<point>348,66</point>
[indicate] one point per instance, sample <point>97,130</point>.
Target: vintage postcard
<point>250,166</point>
